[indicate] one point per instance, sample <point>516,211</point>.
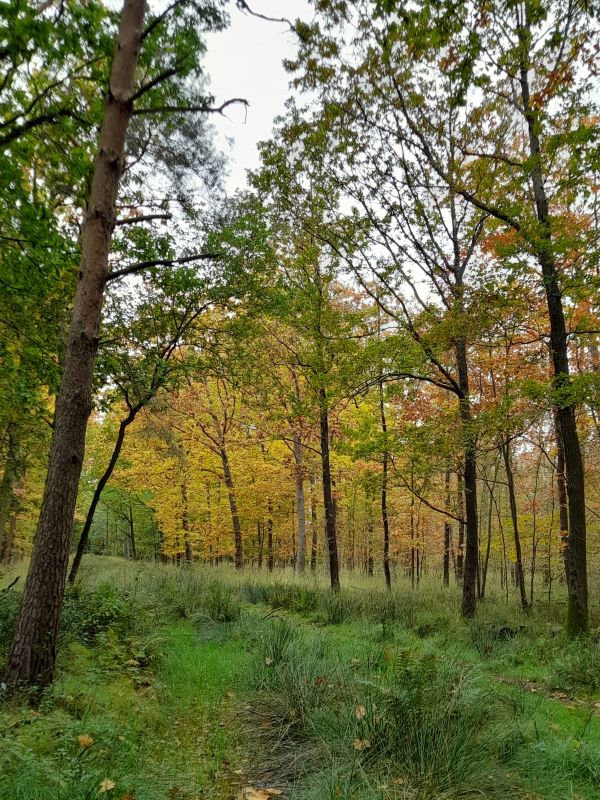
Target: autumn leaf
<point>362,744</point>
<point>361,712</point>
<point>85,740</point>
<point>249,793</point>
<point>106,786</point>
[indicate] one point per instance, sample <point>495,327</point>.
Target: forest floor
<point>201,683</point>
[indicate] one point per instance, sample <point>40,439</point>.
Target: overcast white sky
<point>246,61</point>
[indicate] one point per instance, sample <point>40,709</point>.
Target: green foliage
<point>9,606</point>
<point>88,613</point>
<point>577,667</point>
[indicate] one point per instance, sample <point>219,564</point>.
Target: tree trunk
<point>9,477</point>
<point>575,553</point>
<point>314,544</point>
<point>33,652</point>
<point>185,523</point>
<point>471,558</point>
<point>300,506</point>
<point>520,576</point>
<point>259,541</point>
<point>334,573</point>
<point>447,530</point>
<point>8,541</point>
<point>384,490</point>
<point>235,517</point>
<point>85,533</point>
<point>270,554</point>
<point>561,486</point>
<point>460,555</point>
<point>132,550</point>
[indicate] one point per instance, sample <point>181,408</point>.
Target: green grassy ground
<point>187,684</point>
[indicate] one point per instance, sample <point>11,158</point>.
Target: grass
<point>190,683</point>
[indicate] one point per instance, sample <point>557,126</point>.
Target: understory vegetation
<point>196,683</point>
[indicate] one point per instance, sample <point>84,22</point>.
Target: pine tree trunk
<point>33,652</point>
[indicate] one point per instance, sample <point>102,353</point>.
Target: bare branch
<point>143,218</point>
<point>192,109</point>
<point>159,262</point>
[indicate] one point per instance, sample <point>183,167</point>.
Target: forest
<point>300,481</point>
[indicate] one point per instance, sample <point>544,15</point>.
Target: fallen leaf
<point>106,786</point>
<point>361,712</point>
<point>361,744</point>
<point>130,796</point>
<point>249,793</point>
<point>85,740</point>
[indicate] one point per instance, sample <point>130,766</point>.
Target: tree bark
<point>384,490</point>
<point>85,533</point>
<point>9,477</point>
<point>132,548</point>
<point>8,541</point>
<point>447,530</point>
<point>314,543</point>
<point>575,553</point>
<point>300,506</point>
<point>235,517</point>
<point>270,554</point>
<point>471,558</point>
<point>185,523</point>
<point>334,573</point>
<point>520,576</point>
<point>33,652</point>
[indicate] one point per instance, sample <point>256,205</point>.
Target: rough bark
<point>33,652</point>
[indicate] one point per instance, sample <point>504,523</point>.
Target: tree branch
<point>192,109</point>
<point>158,262</point>
<point>142,218</point>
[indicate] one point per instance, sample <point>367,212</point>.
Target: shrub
<point>578,667</point>
<point>88,613</point>
<point>220,603</point>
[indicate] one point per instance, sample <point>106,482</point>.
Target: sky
<point>246,61</point>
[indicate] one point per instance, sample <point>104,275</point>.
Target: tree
<point>33,652</point>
